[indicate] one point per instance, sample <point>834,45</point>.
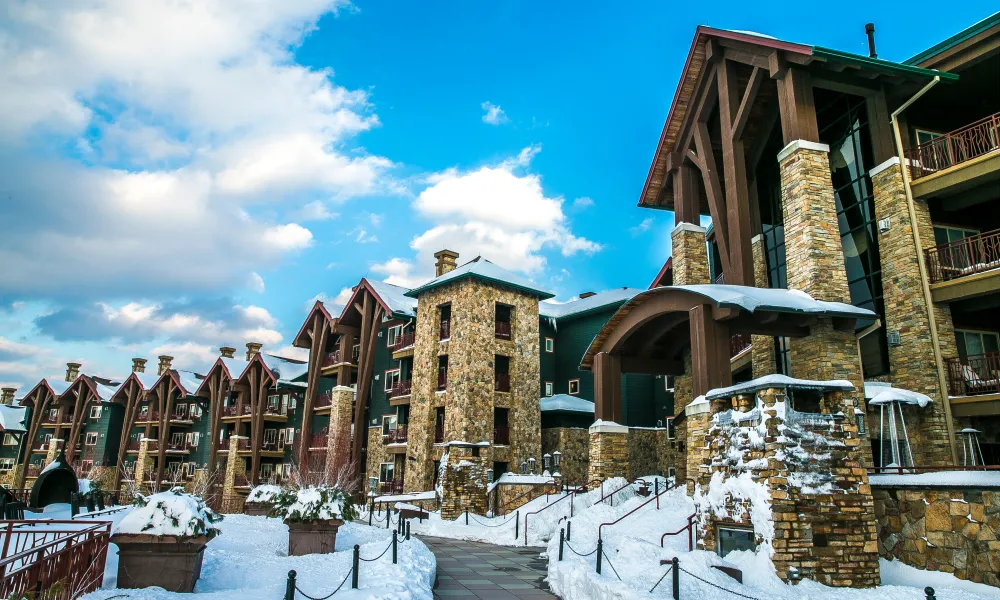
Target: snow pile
<point>890,394</point>
<point>251,561</point>
<point>314,503</point>
<point>263,494</point>
<point>170,513</point>
<point>730,498</point>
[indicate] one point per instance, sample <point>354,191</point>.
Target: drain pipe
<point>924,282</point>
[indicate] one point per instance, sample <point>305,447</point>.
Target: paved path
<point>474,570</point>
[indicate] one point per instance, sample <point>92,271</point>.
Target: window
<point>95,412</point>
<point>355,352</point>
<point>668,383</point>
<point>972,343</point>
<point>289,435</point>
<point>501,431</point>
<point>393,335</point>
<point>6,464</point>
<point>944,234</point>
<point>923,136</point>
<point>548,388</point>
<point>270,437</point>
<point>550,345</point>
<point>671,473</point>
<point>805,401</point>
<point>445,326</point>
<point>735,538</point>
<point>144,411</point>
<point>442,372</point>
<point>86,465</point>
<point>388,424</point>
<point>385,472</point>
<point>502,320</point>
<point>391,379</point>
<point>574,386</point>
<point>501,373</point>
<point>671,432</point>
<point>91,438</point>
<point>439,425</point>
<point>273,402</point>
<point>177,439</point>
<point>292,401</point>
<point>9,440</point>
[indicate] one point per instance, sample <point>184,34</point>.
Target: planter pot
<point>170,562</point>
<point>312,537</point>
<point>258,509</point>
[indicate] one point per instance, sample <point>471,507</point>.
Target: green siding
<point>378,405</point>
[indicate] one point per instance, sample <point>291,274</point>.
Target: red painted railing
<point>50,418</point>
<point>571,495</point>
<point>502,329</point>
<point>404,340</point>
<point>398,435</point>
<point>967,256</point>
<point>401,388</point>
<point>391,487</point>
<point>689,528</point>
<point>501,382</point>
<point>956,147</point>
<point>34,471</point>
<point>231,411</point>
<point>332,358</point>
<point>501,435</point>
<point>974,375</point>
<point>655,497</point>
<point>63,560</point>
<point>153,415</point>
<point>242,444</point>
<point>738,343</point>
<point>445,330</point>
<point>323,400</point>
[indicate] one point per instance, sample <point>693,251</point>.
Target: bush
<point>171,513</point>
<point>314,503</point>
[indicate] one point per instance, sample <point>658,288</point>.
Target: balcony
<point>324,400</point>
<point>954,148</point>
<point>405,340</point>
<point>50,419</point>
<point>445,332</point>
<point>738,343</point>
<point>178,447</point>
<point>231,411</point>
<point>502,329</point>
<point>337,358</point>
<point>967,256</point>
<point>34,470</point>
<point>442,380</point>
<point>401,388</point>
<point>399,435</point>
<point>151,416</point>
<point>975,375</point>
<point>501,382</point>
<point>242,444</point>
<point>391,487</point>
<point>501,435</point>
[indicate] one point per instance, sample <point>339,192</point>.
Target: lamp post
<point>546,463</point>
<point>556,462</point>
<point>531,465</point>
<point>524,468</point>
<point>489,475</point>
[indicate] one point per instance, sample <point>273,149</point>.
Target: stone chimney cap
<point>227,351</point>
<point>138,365</point>
<point>252,349</point>
<point>445,253</point>
<point>72,370</point>
<point>446,262</point>
<point>165,361</point>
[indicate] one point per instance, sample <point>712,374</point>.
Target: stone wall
<point>608,452</point>
<point>574,444</point>
<point>463,482</point>
<point>950,530</point>
<point>650,452</point>
<point>690,254</point>
<point>761,346</point>
<point>513,496</point>
<point>376,453</point>
<point>912,363</point>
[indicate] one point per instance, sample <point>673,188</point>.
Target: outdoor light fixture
<point>546,461</point>
<point>372,484</point>
<point>793,575</point>
<point>524,468</point>
<point>531,465</point>
<point>556,459</point>
<point>859,416</point>
<point>489,475</point>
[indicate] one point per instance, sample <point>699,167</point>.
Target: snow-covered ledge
<point>801,145</point>
<point>688,227</point>
<point>600,426</point>
<point>939,479</point>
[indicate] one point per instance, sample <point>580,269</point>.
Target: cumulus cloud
<point>257,283</point>
<point>494,115</point>
<point>642,227</point>
<point>315,211</point>
<point>398,272</point>
<point>582,203</point>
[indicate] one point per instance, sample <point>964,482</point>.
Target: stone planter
<point>312,537</point>
<point>170,562</point>
<point>258,509</point>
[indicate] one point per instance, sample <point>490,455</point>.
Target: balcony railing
<point>967,256</point>
<point>956,147</point>
<point>391,487</point>
<point>738,343</point>
<point>323,400</point>
<point>974,375</point>
<point>442,380</point>
<point>242,444</point>
<point>501,435</point>
<point>64,561</point>
<point>51,418</point>
<point>231,411</point>
<point>445,330</point>
<point>399,435</point>
<point>501,382</point>
<point>401,388</point>
<point>153,415</point>
<point>318,440</point>
<point>405,340</point>
<point>502,329</point>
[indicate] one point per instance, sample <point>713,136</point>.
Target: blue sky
<point>173,179</point>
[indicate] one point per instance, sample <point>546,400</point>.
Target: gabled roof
<point>395,298</point>
<point>146,381</point>
<point>103,392</point>
<point>232,367</point>
<point>566,403</point>
<point>962,36</point>
<point>56,386</point>
<point>584,306</point>
<point>484,270</point>
<point>301,340</point>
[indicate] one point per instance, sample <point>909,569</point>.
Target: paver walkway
<point>475,570</point>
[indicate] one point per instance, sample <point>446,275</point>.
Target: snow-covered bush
<point>314,503</point>
<point>171,513</point>
<point>88,488</point>
<point>263,494</point>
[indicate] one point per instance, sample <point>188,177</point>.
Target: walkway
<point>475,570</point>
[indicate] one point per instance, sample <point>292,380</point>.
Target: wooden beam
<point>746,104</point>
<point>662,327</point>
<point>686,199</point>
<point>740,271</point>
<point>713,189</point>
<point>798,108</point>
<point>607,387</point>
<point>700,109</point>
<point>710,366</point>
<point>312,388</point>
<point>371,317</point>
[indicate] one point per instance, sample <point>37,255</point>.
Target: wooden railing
<point>445,330</point>
<point>404,340</point>
<point>974,375</point>
<point>738,343</point>
<point>399,435</point>
<point>501,382</point>
<point>242,444</point>
<point>502,329</point>
<point>401,388</point>
<point>956,147</point>
<point>153,415</point>
<point>63,560</point>
<point>50,418</point>
<point>967,256</point>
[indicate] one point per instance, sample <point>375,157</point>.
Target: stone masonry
<point>608,452</point>
<point>339,432</point>
<point>690,261</point>
<point>761,346</point>
<point>951,530</point>
<point>574,445</point>
<point>470,397</point>
<point>463,481</point>
<point>912,361</point>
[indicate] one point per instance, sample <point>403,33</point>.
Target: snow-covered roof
<point>940,479</point>
<point>753,299</point>
<point>12,418</point>
<point>509,478</point>
<point>481,268</point>
<point>566,403</point>
<point>891,394</point>
<point>285,369</point>
<point>395,298</point>
<point>189,380</point>
<point>779,381</point>
<point>584,305</point>
<point>147,380</point>
<point>58,386</point>
<point>235,366</point>
<point>106,392</point>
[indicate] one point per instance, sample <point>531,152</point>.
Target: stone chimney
<point>227,352</point>
<point>587,295</point>
<point>138,365</point>
<point>7,395</point>
<point>446,262</point>
<point>164,365</point>
<point>252,349</point>
<point>72,371</point>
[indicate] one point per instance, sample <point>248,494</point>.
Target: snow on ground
<point>249,560</point>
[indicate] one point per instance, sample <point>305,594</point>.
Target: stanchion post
<point>600,554</point>
<point>354,571</point>
<point>407,530</point>
<point>569,531</point>
<point>676,568</point>
<point>388,519</point>
<point>929,591</point>
<point>466,516</point>
<point>517,525</point>
<point>562,540</point>
<point>290,586</point>
<point>394,542</point>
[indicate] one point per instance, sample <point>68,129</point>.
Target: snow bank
<point>314,503</point>
<point>986,479</point>
<point>171,513</point>
<point>263,494</point>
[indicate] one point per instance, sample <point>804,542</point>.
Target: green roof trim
<point>434,284</point>
<point>483,270</point>
<point>967,33</point>
<point>881,65</point>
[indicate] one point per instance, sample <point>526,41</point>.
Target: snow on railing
<point>62,559</point>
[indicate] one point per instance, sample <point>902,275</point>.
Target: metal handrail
<point>612,494</point>
<point>968,256</point>
<point>631,512</point>
<point>955,147</point>
<point>690,529</point>
<point>41,566</point>
<point>544,508</point>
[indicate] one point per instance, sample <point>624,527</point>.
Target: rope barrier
<point>474,518</point>
<point>577,553</point>
<point>377,557</point>
<point>613,569</point>
<point>308,597</point>
<point>660,580</point>
<point>718,586</point>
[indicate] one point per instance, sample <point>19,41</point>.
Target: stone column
<point>912,362</point>
<point>463,482</point>
<point>235,466</point>
<point>608,452</point>
<point>690,254</point>
<point>761,346</point>
<point>338,439</point>
<point>141,461</point>
<point>53,452</point>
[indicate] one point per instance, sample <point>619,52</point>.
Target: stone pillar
<point>690,254</point>
<point>762,360</point>
<point>608,452</point>
<point>53,452</point>
<point>912,362</point>
<point>141,463</point>
<point>463,482</point>
<point>235,466</point>
<point>338,439</point>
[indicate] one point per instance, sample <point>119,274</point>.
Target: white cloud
<point>188,355</point>
<point>292,352</point>
<point>362,236</point>
<point>257,283</point>
<point>398,272</point>
<point>315,211</point>
<point>494,115</point>
<point>288,237</point>
<point>642,227</point>
<point>582,203</point>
